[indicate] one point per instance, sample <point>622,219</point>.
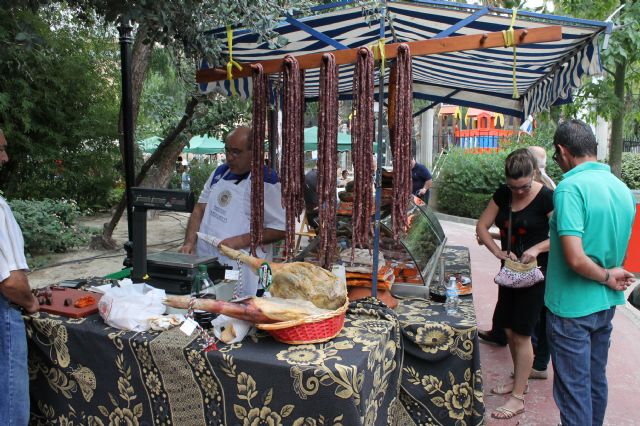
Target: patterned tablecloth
<point>441,376</point>
<point>86,373</point>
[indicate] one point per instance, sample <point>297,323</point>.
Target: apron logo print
<point>224,198</point>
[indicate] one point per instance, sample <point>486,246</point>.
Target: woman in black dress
<point>518,310</point>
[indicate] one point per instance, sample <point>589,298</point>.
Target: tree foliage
<point>58,103</point>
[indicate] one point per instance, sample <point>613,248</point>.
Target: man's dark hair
<point>577,137</point>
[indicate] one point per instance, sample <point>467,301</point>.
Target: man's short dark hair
<point>577,137</point>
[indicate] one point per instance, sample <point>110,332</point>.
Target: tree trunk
<point>617,123</point>
<point>164,158</point>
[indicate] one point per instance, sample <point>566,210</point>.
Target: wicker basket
<point>312,329</point>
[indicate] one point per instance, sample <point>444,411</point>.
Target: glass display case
<point>415,257</point>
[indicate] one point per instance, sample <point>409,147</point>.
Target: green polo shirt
<point>593,204</point>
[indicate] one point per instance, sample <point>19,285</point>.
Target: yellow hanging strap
<point>509,40</point>
<point>231,62</point>
<point>381,55</point>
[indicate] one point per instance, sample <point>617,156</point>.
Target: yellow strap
<point>379,53</point>
<point>382,55</point>
<point>509,40</point>
<point>231,62</point>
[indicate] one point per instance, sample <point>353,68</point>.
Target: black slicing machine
<point>172,271</point>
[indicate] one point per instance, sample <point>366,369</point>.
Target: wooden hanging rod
<point>418,48</point>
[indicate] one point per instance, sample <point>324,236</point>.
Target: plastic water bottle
<point>186,181</point>
<point>202,284</point>
<point>451,304</point>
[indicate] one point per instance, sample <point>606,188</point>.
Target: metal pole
<point>378,179</point>
<point>127,117</point>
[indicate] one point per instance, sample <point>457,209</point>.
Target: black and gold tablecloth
<point>441,376</point>
<point>86,373</point>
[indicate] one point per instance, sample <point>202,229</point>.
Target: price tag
<point>231,274</point>
<point>188,326</point>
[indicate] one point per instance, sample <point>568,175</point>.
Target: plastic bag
<point>129,307</point>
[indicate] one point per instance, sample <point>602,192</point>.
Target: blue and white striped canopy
<point>546,72</point>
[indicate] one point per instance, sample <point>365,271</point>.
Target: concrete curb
<point>456,219</point>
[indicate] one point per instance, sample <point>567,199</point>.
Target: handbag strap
<point>509,230</point>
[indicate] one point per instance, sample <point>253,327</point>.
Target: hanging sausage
<point>327,158</point>
<point>257,155</point>
<point>362,134</point>
<point>401,140</point>
<point>292,170</point>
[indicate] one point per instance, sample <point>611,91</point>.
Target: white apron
<point>227,215</point>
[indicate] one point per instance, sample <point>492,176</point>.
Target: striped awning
<point>546,73</point>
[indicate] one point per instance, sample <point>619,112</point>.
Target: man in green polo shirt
<point>589,230</point>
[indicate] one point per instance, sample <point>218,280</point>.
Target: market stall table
<point>441,375</point>
<point>85,372</point>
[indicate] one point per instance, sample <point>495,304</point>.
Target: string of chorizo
<point>293,149</point>
<point>362,135</point>
<point>401,136</point>
<point>327,158</point>
<point>257,155</point>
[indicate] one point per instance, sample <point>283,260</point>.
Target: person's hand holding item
<point>530,255</point>
<point>502,255</point>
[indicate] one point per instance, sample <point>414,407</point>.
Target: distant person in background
<point>422,181</point>
<point>540,155</point>
<point>15,294</point>
<point>343,179</point>
<point>179,164</point>
<point>590,230</point>
<point>311,196</point>
<point>185,179</point>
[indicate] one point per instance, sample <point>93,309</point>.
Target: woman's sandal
<point>504,389</point>
<point>503,413</point>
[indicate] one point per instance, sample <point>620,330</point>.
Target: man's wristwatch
<point>606,277</point>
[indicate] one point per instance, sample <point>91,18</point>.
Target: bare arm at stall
<point>427,186</point>
<point>615,278</point>
<point>241,241</point>
<point>486,220</point>
<point>16,289</point>
<point>190,237</point>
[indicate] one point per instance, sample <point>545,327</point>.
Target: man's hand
<point>619,279</point>
<point>237,242</point>
<point>187,248</point>
<point>16,289</point>
<point>422,191</point>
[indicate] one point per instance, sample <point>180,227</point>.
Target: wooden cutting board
<point>57,303</point>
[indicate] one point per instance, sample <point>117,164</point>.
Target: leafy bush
<point>49,225</point>
<point>467,181</point>
<point>631,169</point>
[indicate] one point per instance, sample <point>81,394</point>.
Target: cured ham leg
<point>259,310</point>
<point>244,309</point>
<point>298,280</point>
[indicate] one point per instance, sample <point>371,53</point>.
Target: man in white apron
<point>224,209</point>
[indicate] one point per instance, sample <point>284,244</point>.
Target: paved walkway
<point>624,356</point>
